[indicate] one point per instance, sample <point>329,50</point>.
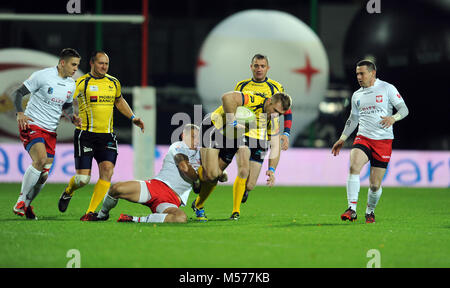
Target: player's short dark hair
<point>370,65</point>
<point>286,100</point>
<point>94,55</point>
<point>260,57</point>
<point>190,127</point>
<point>68,53</point>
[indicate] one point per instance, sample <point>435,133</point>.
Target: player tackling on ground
<point>168,190</point>
<point>52,92</point>
<point>372,109</point>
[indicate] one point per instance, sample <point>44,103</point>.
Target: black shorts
<point>258,150</point>
<point>212,137</point>
<point>88,145</point>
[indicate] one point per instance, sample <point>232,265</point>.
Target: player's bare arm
<point>350,126</point>
<point>186,170</point>
<point>123,107</point>
<point>22,119</point>
<point>69,114</point>
<point>230,102</point>
<point>274,159</point>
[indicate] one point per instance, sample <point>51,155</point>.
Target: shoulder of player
<point>112,78</point>
<point>275,83</point>
<point>357,94</point>
<point>45,72</point>
<point>81,79</point>
<point>178,146</point>
<point>243,83</point>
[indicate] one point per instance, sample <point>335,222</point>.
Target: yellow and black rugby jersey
<point>266,88</point>
<point>256,104</point>
<point>96,97</point>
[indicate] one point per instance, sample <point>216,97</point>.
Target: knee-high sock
<point>34,192</point>
<point>30,178</point>
<point>238,192</point>
<point>372,200</point>
<point>100,190</point>
<point>71,187</point>
<point>152,218</point>
<point>108,203</point>
<point>206,188</point>
<point>353,187</point>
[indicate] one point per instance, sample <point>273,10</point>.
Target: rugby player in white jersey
<point>51,95</point>
<point>372,109</point>
<point>168,190</point>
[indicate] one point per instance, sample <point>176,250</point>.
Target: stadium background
<point>414,62</point>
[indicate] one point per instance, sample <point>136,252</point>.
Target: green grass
<point>279,227</point>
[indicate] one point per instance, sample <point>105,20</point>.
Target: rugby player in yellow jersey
<point>223,138</point>
<point>97,94</point>
<point>260,84</point>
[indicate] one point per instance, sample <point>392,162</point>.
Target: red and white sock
<point>353,186</point>
<point>372,200</point>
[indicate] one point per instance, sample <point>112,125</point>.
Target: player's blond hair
<point>286,100</point>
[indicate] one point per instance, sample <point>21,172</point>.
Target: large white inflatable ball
<point>296,56</point>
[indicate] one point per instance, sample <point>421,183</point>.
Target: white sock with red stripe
<point>152,218</point>
<point>39,185</point>
<point>353,187</point>
<point>30,178</point>
<point>372,199</point>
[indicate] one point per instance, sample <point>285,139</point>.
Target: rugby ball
<point>244,115</point>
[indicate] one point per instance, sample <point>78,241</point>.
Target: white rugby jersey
<point>169,173</point>
<point>49,92</point>
<point>369,104</point>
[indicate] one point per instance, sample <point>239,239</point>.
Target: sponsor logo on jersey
<point>87,149</point>
<point>93,88</point>
<point>93,98</point>
<point>106,99</point>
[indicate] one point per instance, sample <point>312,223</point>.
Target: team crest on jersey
<point>50,90</point>
<point>357,103</point>
<point>379,98</point>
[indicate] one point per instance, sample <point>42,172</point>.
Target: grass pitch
<point>279,227</point>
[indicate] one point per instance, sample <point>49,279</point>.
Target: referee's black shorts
<point>89,145</point>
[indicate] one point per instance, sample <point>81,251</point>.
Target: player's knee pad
<point>81,180</point>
